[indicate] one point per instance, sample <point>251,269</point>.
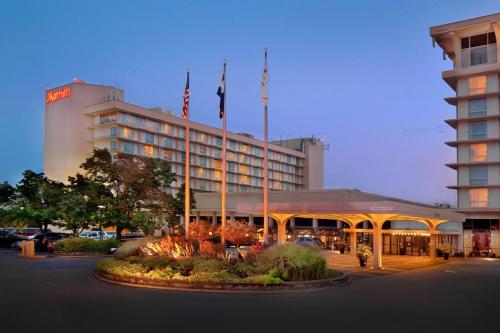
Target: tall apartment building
<point>80,116</point>
<point>475,78</point>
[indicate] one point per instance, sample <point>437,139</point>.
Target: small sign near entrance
<point>55,95</point>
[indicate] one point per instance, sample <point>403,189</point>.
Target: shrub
<point>153,262</point>
<point>292,262</point>
<point>264,279</point>
<point>126,268</point>
<point>222,276</point>
<point>175,247</point>
<point>78,244</point>
<point>211,250</point>
<point>237,232</point>
<point>242,269</point>
<point>186,266</point>
<point>208,266</point>
<point>132,248</point>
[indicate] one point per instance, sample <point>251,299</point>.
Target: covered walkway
<point>363,213</point>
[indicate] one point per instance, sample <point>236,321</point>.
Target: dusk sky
<point>361,75</point>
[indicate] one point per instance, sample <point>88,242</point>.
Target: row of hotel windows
<point>206,185</point>
<point>479,49</point>
<point>204,162</point>
<point>175,131</point>
<point>202,150</point>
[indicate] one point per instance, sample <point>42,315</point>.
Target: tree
<point>237,232</point>
<point>7,192</point>
<point>178,203</point>
<point>201,231</point>
<point>82,203</point>
<point>35,201</point>
<point>136,185</point>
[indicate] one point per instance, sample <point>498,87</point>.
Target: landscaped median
<point>84,247</point>
<point>182,266</point>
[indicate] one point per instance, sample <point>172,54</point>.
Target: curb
<point>226,287</point>
<point>36,257</point>
<point>76,255</point>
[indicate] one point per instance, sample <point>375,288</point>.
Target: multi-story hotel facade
<point>80,116</point>
<point>475,78</point>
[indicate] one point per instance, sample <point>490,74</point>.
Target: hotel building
<point>80,116</point>
<point>472,47</point>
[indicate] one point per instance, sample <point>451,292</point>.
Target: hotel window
<point>217,164</point>
<point>217,153</point>
<point>168,142</point>
<point>203,137</point>
<point>256,172</point>
<point>479,49</point>
<point>231,188</point>
<point>113,145</point>
<point>114,131</point>
<point>218,141</point>
<point>244,179</point>
<point>167,155</point>
<point>231,156</point>
<point>108,118</point>
<point>128,147</point>
<point>202,150</point>
<point>217,174</point>
<point>149,138</point>
<point>231,167</point>
<point>244,148</point>
<point>478,152</point>
<point>257,151</point>
<point>203,161</point>
<point>256,182</point>
<point>200,172</point>
<point>217,187</point>
<point>478,197</point>
<point>477,130</point>
<point>477,107</point>
<point>231,145</point>
<point>243,188</point>
<point>148,151</point>
<point>477,85</point>
<point>127,133</point>
<point>243,169</point>
<point>230,178</point>
<point>166,128</point>
<point>478,175</point>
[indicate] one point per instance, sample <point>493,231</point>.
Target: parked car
<point>131,236</point>
<point>96,235</point>
<point>311,241</point>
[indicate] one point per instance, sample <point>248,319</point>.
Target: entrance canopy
<point>351,206</point>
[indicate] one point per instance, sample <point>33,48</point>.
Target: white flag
<point>265,79</point>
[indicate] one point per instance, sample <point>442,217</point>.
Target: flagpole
<point>266,176</point>
<point>187,175</point>
<point>224,144</point>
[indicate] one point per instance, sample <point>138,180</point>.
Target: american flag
<point>221,93</point>
<point>265,79</point>
<point>185,106</point>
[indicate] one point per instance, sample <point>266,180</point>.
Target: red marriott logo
<point>55,95</point>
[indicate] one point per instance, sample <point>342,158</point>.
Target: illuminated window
<point>200,171</point>
<point>217,187</point>
<point>478,152</point>
<point>477,85</point>
<point>167,155</point>
<point>243,169</point>
<point>477,130</point>
<point>217,174</point>
<point>231,156</point>
<point>478,175</point>
<point>217,164</point>
<point>244,179</point>
<point>148,151</point>
<point>203,137</point>
<point>244,148</point>
<point>166,128</point>
<point>126,133</point>
<point>478,197</point>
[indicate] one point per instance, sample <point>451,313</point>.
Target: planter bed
<point>223,286</point>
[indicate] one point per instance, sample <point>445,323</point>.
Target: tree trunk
<point>119,233</point>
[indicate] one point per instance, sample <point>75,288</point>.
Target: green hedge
<point>78,244</point>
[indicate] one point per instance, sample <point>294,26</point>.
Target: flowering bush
<point>237,232</point>
<point>175,247</point>
<point>202,231</point>
<point>363,250</point>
